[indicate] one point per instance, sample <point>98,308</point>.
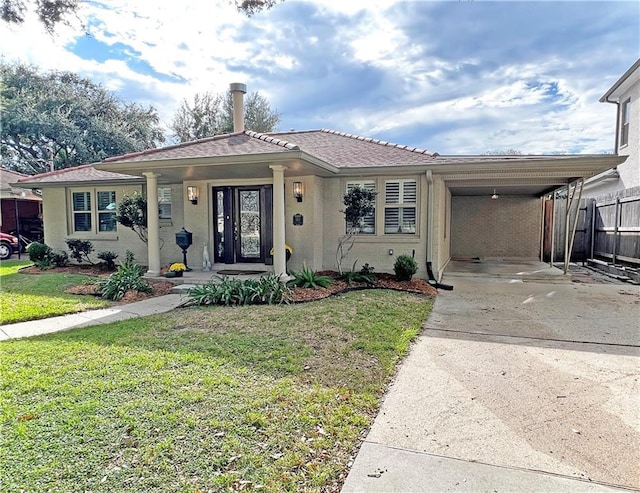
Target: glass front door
<point>243,226</point>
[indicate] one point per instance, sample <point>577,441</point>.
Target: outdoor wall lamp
<point>495,195</point>
<point>297,190</point>
<point>192,194</point>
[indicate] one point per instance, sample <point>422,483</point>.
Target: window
<point>164,202</point>
<point>85,215</point>
<point>625,117</point>
<point>400,206</point>
<point>106,211</point>
<point>81,211</point>
<point>368,225</point>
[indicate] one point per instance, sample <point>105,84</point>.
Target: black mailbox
<point>184,239</point>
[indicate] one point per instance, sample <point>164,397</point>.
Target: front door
<point>243,224</point>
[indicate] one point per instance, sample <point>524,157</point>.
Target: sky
<point>453,77</point>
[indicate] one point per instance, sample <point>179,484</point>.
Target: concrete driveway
<point>513,386</point>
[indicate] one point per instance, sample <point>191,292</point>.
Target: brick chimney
<point>238,90</point>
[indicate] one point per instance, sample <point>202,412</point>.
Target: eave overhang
<point>298,163</point>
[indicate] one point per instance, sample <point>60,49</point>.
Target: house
<point>20,208</point>
<point>244,193</point>
<point>625,94</point>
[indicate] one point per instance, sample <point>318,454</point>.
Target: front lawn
<point>30,297</point>
<point>269,398</point>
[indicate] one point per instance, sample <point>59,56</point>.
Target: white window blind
<point>164,202</point>
<point>400,206</point>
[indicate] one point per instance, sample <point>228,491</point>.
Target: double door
<point>243,224</point>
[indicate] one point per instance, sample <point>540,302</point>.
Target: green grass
<point>273,398</point>
<point>30,297</point>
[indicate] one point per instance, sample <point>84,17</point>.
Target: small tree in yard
<point>132,213</point>
<point>359,203</point>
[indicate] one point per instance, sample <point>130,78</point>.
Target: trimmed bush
<point>80,250</point>
<point>108,259</point>
<point>405,267</point>
<point>38,251</point>
<point>58,258</point>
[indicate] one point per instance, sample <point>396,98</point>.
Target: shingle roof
<point>339,149</point>
<point>241,143</point>
<point>77,174</point>
<point>345,150</point>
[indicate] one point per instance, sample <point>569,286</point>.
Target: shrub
<point>308,278</point>
<point>45,258</point>
<point>363,275</point>
<point>58,258</point>
<point>80,250</point>
<point>405,267</point>
<point>128,277</point>
<point>227,291</point>
<point>366,269</point>
<point>38,251</point>
<point>109,259</point>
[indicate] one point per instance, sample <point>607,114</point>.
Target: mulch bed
<point>384,281</point>
<point>159,288</point>
<point>297,295</point>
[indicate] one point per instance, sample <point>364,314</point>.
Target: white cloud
<point>541,99</point>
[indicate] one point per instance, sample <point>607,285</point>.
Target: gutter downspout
<point>432,280</point>
<point>617,103</point>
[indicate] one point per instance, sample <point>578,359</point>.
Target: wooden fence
<point>608,228</point>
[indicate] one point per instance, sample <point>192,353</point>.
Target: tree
<point>359,203</point>
<point>198,119</point>
<point>59,120</point>
<point>52,12</point>
<point>132,213</point>
<point>212,114</point>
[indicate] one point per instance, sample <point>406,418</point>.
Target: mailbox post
<point>184,240</point>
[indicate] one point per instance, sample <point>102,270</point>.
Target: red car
<point>8,245</point>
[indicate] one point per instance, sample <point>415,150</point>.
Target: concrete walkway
<point>151,306</point>
<point>513,386</point>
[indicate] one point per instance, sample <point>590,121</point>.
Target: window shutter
<point>164,194</point>
<point>392,192</point>
<point>409,192</point>
<point>81,201</point>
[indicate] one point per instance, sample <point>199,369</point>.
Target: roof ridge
<point>380,142</point>
<point>55,172</point>
<point>272,140</point>
<point>189,143</point>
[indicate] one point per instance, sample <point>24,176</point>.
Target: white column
<point>279,254</point>
<point>153,224</point>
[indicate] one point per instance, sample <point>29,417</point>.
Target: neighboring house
<point>243,193</point>
<point>20,208</point>
<point>625,94</point>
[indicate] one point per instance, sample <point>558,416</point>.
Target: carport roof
<point>533,175</point>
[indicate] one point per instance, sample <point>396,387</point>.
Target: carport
<point>496,208</point>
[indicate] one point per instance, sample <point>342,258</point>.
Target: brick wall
<point>507,227</point>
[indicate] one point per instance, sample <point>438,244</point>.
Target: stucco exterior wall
<point>629,171</point>
<point>441,227</point>
<point>307,239</point>
<point>58,225</point>
<point>505,228</point>
<point>373,249</point>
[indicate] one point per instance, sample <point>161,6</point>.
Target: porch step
<point>182,288</point>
